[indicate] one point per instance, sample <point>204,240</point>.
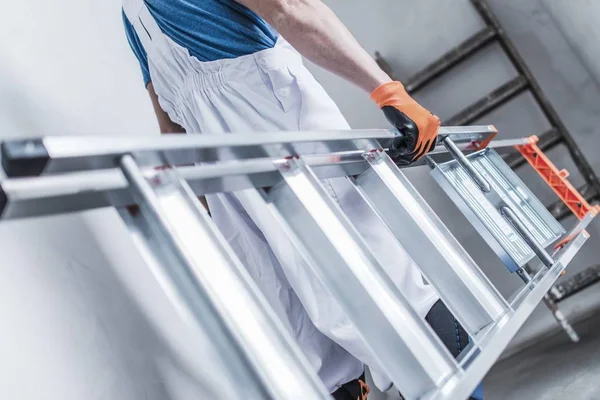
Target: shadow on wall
<point>21,114</point>
<point>75,320</point>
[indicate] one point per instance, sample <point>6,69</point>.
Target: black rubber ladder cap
<point>23,158</point>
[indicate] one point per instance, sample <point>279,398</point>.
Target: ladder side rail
<point>490,343</point>
<point>62,154</point>
<point>86,190</point>
<point>213,290</point>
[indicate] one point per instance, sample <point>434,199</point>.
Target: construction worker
<point>220,66</point>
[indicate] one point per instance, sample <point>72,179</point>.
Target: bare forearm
<point>317,33</point>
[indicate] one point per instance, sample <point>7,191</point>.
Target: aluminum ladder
<point>557,135</point>
<point>284,170</point>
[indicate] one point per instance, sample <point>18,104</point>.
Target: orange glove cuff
<point>391,94</point>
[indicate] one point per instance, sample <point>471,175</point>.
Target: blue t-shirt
<point>209,29</point>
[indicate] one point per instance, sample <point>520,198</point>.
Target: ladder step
<point>492,213</point>
<point>466,291</point>
<point>343,262</point>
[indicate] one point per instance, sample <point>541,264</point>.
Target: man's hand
<point>315,31</point>
<point>418,126</point>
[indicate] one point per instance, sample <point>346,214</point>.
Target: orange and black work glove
<point>417,127</point>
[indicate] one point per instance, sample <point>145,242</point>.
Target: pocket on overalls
<point>284,87</point>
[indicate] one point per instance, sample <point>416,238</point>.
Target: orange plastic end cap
<point>482,144</point>
<point>566,240</point>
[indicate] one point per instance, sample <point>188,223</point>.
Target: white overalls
<point>271,90</point>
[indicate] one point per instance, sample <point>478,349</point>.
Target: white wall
<point>81,316</point>
<point>581,30</point>
<point>68,70</point>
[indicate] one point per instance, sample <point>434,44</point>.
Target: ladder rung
<point>495,99</point>
<point>450,59</point>
<point>348,269</point>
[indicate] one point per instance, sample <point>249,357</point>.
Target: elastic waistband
<point>217,73</point>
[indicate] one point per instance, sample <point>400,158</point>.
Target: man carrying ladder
<point>221,66</point>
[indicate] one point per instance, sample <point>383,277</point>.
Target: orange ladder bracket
<point>556,179</point>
